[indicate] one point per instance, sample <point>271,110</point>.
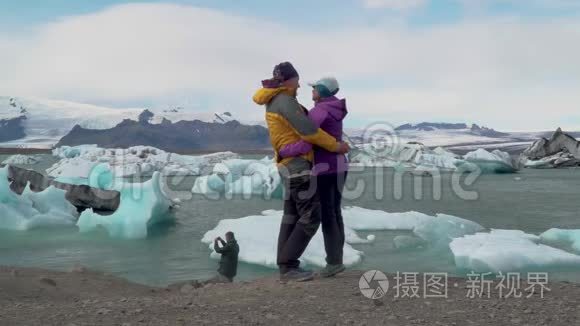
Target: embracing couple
<point>312,162</point>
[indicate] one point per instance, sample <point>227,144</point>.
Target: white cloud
<point>394,4</point>
<point>499,72</point>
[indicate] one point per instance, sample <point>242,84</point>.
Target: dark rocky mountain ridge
<point>169,136</point>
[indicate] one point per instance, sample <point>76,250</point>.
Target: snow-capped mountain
<point>474,129</point>
<point>40,123</point>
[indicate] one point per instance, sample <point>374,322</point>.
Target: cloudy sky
<point>508,64</point>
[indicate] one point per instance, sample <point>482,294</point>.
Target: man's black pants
<point>300,221</point>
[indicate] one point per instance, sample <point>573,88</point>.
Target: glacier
<point>79,161</point>
<point>46,121</point>
<point>30,210</point>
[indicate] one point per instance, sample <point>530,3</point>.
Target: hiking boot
<point>297,275</point>
<point>331,270</point>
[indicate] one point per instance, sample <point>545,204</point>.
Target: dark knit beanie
<point>284,72</point>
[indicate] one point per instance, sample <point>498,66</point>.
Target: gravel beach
<point>80,297</point>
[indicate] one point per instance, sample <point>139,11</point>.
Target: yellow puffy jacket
<point>288,122</point>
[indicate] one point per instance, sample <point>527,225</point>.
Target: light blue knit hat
<point>326,87</point>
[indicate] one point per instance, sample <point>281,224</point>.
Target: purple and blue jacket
<point>328,114</point>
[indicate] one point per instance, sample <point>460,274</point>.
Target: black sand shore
<point>41,297</point>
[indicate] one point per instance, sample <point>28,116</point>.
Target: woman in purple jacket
<point>330,169</point>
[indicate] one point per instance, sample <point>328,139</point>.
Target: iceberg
<point>47,208</point>
<point>210,185</point>
<point>563,236</point>
<point>21,160</point>
<point>409,155</point>
<point>494,162</point>
<point>143,205</point>
<point>561,150</point>
<point>247,186</point>
<point>421,159</point>
<point>101,177</point>
<point>234,168</point>
<point>559,160</point>
<point>79,161</point>
<point>72,152</point>
<point>508,251</point>
<point>241,177</point>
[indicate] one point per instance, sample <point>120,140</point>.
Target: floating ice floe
<point>31,210</point>
<point>508,251</point>
<point>77,162</point>
<point>571,237</point>
<point>241,177</point>
<point>142,206</point>
<point>435,231</point>
<point>408,155</point>
<point>257,235</point>
<point>472,248</point>
<point>440,228</point>
<point>359,218</point>
<point>21,160</point>
<point>444,228</point>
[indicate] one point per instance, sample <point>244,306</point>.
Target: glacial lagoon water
<point>532,201</point>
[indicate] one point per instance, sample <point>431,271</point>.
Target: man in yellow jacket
<point>288,123</point>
